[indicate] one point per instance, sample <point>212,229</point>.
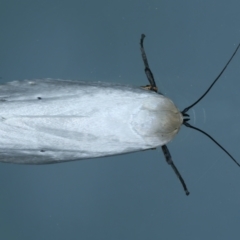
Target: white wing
<point>45,121</point>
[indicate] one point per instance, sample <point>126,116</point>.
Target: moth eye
<point>39,98</point>
<point>42,150</point>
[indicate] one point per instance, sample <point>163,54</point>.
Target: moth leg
<point>149,149</point>
<point>148,72</point>
<point>170,162</point>
<point>149,87</point>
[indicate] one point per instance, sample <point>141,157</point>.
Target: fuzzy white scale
<point>47,121</point>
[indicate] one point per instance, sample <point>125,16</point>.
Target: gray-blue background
<point>135,196</point>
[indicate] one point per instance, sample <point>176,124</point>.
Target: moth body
<point>47,121</point>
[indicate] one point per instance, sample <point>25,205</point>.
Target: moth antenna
<point>219,75</point>
<point>209,136</point>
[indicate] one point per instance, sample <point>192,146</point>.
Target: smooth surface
<point>134,196</point>
<point>48,120</point>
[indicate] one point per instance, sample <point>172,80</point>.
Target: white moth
<point>46,121</point>
<point>51,121</point>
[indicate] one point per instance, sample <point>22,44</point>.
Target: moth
<point>52,121</point>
